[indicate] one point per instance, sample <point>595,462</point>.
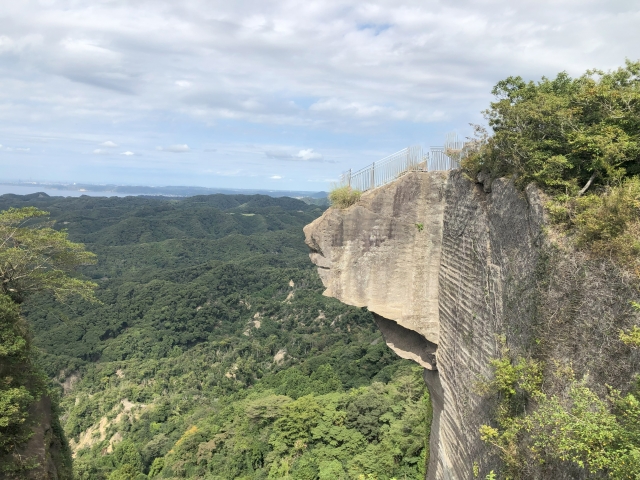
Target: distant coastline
<point>79,189</point>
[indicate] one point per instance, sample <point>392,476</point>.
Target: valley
<point>213,354</point>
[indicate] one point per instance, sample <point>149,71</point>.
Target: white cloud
<point>358,109</point>
<point>309,154</point>
<point>305,155</point>
<point>127,153</point>
<point>6,44</point>
<point>368,76</point>
<point>16,149</point>
<point>180,148</point>
<point>275,177</point>
<point>352,59</point>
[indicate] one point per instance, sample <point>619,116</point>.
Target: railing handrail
<point>397,164</point>
<point>383,160</point>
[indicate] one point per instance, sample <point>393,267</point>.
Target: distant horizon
<point>112,189</point>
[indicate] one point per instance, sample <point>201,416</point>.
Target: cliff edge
<point>442,264</point>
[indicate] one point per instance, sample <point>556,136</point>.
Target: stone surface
<point>384,252</point>
<point>435,255</point>
<point>45,456</point>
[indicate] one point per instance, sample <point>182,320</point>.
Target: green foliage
<point>175,368</point>
<point>594,434</point>
<point>19,384</point>
<point>632,337</point>
<point>420,226</point>
<point>563,132</point>
<point>35,257</point>
<point>265,435</point>
<point>343,197</point>
<point>572,136</point>
<point>515,383</point>
<point>604,218</point>
<point>606,223</point>
<point>599,436</point>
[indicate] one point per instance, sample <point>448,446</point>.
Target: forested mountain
<point>212,352</point>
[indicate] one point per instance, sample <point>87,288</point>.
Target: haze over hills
<point>77,189</point>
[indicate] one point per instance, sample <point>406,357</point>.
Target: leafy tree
<point>579,140</point>
<point>330,470</point>
<point>127,472</point>
<point>565,134</point>
<point>578,427</point>
<point>293,428</point>
<point>34,257</point>
<point>15,396</point>
<point>126,453</point>
<point>366,413</point>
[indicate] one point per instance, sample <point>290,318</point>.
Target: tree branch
<point>586,187</point>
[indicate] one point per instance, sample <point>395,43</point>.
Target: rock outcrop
<point>45,455</point>
<point>441,263</point>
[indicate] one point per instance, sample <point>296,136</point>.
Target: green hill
<point>213,353</point>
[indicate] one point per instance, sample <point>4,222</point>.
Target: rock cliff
<point>32,443</point>
<point>450,269</point>
<point>441,263</point>
<point>46,455</point>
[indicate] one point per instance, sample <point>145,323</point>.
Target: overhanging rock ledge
<point>439,262</point>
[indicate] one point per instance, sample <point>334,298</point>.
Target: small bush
<point>606,223</point>
<point>343,197</point>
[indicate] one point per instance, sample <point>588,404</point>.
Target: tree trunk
<point>588,184</point>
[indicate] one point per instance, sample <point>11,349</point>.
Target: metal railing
<point>406,160</point>
<point>440,161</point>
<point>385,170</point>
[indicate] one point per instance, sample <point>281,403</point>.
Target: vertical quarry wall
<point>441,264</point>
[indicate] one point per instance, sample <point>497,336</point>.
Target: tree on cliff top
<point>564,134</point>
<point>35,257</point>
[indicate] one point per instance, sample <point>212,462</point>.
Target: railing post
<point>349,178</point>
<point>373,175</point>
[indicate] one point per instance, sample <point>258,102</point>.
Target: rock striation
<point>444,265</point>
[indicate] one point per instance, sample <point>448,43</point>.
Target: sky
<point>270,94</point>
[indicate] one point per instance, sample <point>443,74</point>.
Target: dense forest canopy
<point>211,352</point>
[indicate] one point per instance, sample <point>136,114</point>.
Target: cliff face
<point>445,267</point>
<point>384,253</point>
<point>45,455</point>
<point>46,449</point>
<point>32,443</point>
